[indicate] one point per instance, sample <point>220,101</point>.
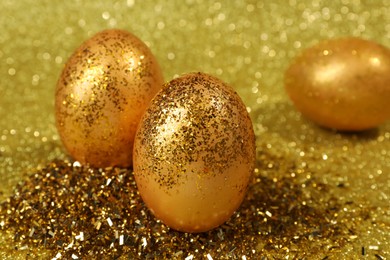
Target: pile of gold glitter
<point>78,211</point>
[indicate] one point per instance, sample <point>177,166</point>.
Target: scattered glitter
<point>80,236</point>
<point>144,243</point>
<point>109,221</point>
<point>69,246</point>
<point>231,49</point>
<point>247,231</point>
<point>209,257</point>
<point>76,164</point>
<point>25,247</point>
<point>31,232</point>
<point>379,257</point>
<point>98,225</point>
<point>58,256</point>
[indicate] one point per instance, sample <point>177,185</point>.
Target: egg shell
<point>101,95</point>
<point>342,83</point>
<point>194,153</point>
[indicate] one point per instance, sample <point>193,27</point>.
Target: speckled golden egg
<point>342,84</point>
<point>101,95</point>
<point>194,153</point>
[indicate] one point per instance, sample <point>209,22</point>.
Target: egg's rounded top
<point>101,94</point>
<point>202,114</point>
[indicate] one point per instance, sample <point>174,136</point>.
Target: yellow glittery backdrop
<point>248,44</point>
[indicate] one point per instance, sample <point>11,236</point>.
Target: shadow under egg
<point>290,125</point>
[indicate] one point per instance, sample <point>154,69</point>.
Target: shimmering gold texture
<point>102,93</point>
<point>194,153</point>
<point>315,194</point>
<point>342,83</point>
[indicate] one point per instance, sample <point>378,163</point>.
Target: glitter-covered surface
<point>101,95</point>
<point>194,153</point>
<point>317,193</point>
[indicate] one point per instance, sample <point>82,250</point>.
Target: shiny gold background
<point>248,44</point>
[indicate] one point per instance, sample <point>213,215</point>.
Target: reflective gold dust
<point>249,48</point>
<point>77,211</point>
<point>101,95</point>
<point>194,153</point>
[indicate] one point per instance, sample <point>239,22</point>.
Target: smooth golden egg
<point>101,95</point>
<point>342,83</point>
<point>194,153</point>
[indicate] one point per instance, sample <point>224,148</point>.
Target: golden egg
<point>194,153</point>
<point>342,84</point>
<point>101,95</point>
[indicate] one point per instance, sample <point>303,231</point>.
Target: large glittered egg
<point>194,153</point>
<point>101,95</point>
<point>342,84</point>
